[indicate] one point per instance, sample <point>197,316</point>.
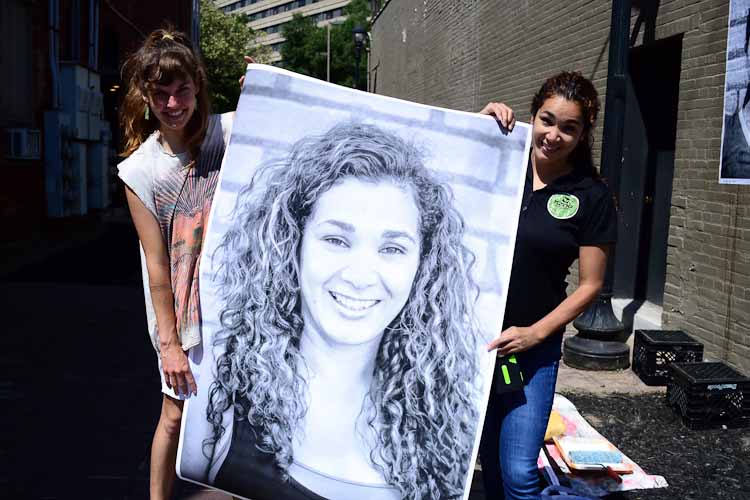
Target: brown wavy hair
<point>575,87</point>
<point>164,56</point>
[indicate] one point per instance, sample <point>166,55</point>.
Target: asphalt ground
<point>77,370</point>
<point>80,392</point>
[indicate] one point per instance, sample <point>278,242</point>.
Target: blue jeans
<point>513,433</point>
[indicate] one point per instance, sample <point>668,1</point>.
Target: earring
<point>146,113</point>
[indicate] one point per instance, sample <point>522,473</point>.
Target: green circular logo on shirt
<point>562,206</point>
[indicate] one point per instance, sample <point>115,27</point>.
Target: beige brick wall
<point>397,64</point>
<point>707,290</point>
<point>481,50</point>
<point>461,54</point>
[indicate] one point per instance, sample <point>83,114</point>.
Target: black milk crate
<point>709,395</point>
<point>655,350</point>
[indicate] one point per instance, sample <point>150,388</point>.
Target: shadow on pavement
<point>78,381</point>
<point>77,373</point>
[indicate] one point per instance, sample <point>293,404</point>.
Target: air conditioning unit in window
<point>22,144</point>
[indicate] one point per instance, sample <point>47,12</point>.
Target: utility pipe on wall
<point>599,344</point>
<point>94,34</point>
<point>614,110</point>
<point>53,14</point>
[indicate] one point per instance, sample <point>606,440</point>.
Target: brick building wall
<point>397,63</point>
<point>27,91</point>
<point>707,291</point>
<point>464,54</point>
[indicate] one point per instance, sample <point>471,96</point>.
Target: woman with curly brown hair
<point>349,363</point>
<point>567,213</point>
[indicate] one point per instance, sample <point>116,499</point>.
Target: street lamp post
<point>328,52</point>
<point>328,48</point>
<point>360,35</point>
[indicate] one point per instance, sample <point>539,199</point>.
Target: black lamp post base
<point>600,342</point>
<point>590,354</point>
<point>598,322</point>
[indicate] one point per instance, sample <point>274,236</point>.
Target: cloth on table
<point>588,483</point>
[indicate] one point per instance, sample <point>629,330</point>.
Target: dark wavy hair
<point>421,403</point>
<point>164,56</point>
<point>574,87</point>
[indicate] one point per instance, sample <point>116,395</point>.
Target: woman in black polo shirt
<point>567,213</point>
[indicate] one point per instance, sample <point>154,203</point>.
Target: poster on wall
<point>355,265</point>
<point>735,141</point>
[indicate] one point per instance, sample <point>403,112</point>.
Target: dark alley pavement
<point>79,387</point>
<point>77,372</point>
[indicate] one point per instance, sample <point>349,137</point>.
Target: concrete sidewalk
<point>602,383</point>
<point>571,380</point>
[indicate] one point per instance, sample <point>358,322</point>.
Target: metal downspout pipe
<point>600,342</point>
<point>54,33</point>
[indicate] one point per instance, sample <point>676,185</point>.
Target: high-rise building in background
<point>269,16</point>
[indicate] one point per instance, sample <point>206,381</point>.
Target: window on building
<point>272,11</point>
<point>276,47</point>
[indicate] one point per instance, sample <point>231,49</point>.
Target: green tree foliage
<point>225,39</point>
<point>305,48</point>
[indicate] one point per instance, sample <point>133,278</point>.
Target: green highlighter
<point>508,376</point>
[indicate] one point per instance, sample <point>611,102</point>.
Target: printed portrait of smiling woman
<point>348,350</point>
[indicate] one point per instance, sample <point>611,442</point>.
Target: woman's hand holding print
<point>516,339</point>
<point>248,60</point>
<point>177,372</point>
<point>502,113</point>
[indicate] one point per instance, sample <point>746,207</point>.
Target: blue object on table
<point>595,457</point>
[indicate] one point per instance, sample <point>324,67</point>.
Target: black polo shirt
<point>574,210</point>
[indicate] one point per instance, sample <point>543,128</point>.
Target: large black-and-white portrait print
<point>355,265</point>
<point>735,143</point>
